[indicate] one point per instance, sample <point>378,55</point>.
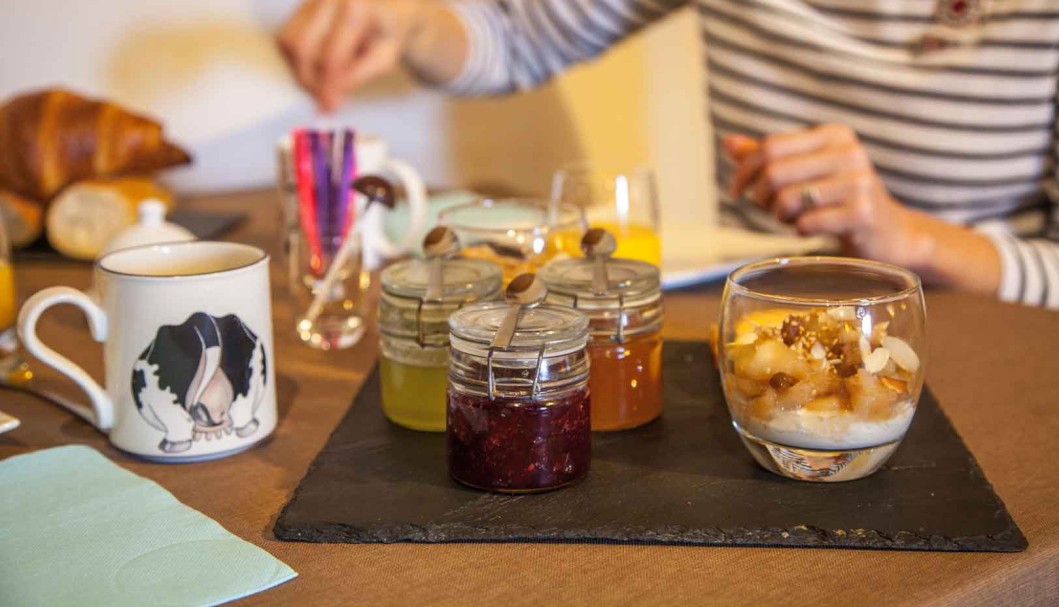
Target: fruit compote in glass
<point>822,363</point>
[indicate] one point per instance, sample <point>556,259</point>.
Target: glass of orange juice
<point>623,203</point>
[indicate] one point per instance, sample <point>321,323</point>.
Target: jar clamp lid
<point>598,282</point>
<point>520,327</point>
<point>442,280</point>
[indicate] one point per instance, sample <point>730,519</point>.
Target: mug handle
<point>101,415</point>
<point>417,205</point>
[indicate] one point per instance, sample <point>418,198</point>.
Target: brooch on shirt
<point>950,15</point>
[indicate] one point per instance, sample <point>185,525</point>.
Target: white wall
<point>210,71</point>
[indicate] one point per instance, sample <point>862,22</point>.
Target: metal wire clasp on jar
<point>518,401</point>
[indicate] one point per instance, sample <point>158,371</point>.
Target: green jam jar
<point>414,340</point>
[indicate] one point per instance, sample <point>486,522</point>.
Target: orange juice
<point>635,241</point>
<point>7,296</point>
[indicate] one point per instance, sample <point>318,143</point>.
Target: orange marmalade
<point>623,301</point>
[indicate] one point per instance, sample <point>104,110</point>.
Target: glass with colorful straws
<point>418,296</point>
<point>623,301</point>
<point>518,404</point>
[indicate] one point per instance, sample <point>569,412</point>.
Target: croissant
<point>51,138</point>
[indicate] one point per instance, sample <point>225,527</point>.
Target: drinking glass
<point>519,234</point>
<point>624,204</point>
<point>339,322</point>
<point>822,361</point>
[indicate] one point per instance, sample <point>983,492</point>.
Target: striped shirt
<point>966,132</point>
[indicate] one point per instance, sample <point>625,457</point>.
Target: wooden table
<point>994,367</point>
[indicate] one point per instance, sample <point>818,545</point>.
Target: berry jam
<point>518,445</point>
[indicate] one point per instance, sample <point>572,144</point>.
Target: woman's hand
<point>822,181</point>
<point>335,46</point>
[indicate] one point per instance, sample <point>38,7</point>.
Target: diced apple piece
<point>823,381</point>
<point>849,334</point>
<point>869,397</point>
<point>745,339</point>
<point>816,385</point>
<point>902,353</point>
<point>746,387</point>
<point>771,357</point>
<point>832,404</point>
<point>763,408</point>
<point>842,313</point>
<point>794,397</point>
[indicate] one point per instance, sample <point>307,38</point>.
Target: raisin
<point>781,382</point>
<point>791,330</point>
<point>845,369</point>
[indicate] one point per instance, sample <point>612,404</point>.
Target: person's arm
<point>519,44</point>
<point>822,181</point>
<point>472,47</point>
<point>1029,267</point>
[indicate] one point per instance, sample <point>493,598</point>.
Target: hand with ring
<point>822,181</point>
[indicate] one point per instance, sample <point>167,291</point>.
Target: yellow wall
<point>607,105</point>
<point>641,104</point>
<point>596,112</point>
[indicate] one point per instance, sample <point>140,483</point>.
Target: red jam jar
<point>518,417</point>
<point>622,299</point>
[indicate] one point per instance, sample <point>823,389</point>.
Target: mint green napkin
<point>76,529</point>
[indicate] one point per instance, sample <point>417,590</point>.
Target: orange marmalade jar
<point>622,299</point>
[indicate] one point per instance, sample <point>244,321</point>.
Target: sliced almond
<point>876,361</point>
<point>903,354</point>
<point>894,384</point>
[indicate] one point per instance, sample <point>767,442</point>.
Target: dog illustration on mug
<point>201,379</point>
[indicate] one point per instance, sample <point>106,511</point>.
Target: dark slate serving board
<point>684,479</point>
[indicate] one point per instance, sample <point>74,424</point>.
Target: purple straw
<point>345,181</point>
<point>322,181</point>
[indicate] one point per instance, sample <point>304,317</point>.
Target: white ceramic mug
<point>187,348</point>
<point>373,158</point>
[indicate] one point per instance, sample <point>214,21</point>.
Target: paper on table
<point>76,529</point>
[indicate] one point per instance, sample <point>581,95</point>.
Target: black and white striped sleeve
<point>1029,266</point>
<point>518,44</point>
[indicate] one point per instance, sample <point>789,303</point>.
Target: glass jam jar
<point>418,296</point>
<point>518,401</point>
<point>623,301</point>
